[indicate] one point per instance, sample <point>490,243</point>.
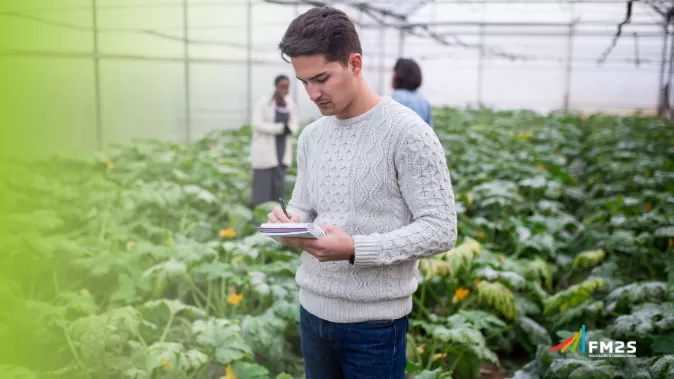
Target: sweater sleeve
<point>425,184</point>
<point>300,203</point>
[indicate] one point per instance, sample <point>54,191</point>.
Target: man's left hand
<point>336,245</point>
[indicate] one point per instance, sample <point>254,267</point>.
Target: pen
<point>283,206</point>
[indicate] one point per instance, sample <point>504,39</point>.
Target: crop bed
<point>143,262</point>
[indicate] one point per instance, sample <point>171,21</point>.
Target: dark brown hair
<point>278,79</point>
<point>407,74</point>
<point>323,31</point>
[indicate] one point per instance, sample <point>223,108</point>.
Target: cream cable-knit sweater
<point>382,177</point>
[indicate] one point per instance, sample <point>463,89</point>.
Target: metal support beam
<point>249,62</point>
<point>294,89</point>
<point>661,75</point>
<point>97,79</point>
<point>499,24</point>
<point>401,42</point>
<point>569,63</point>
<point>668,110</point>
<point>480,62</point>
<point>186,53</point>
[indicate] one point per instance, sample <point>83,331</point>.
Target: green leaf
<point>536,333</point>
<point>432,374</point>
<point>173,307</point>
<point>662,367</point>
<point>171,356</point>
<point>94,334</point>
<point>587,310</point>
<point>201,194</point>
<point>540,270</point>
<point>450,263</point>
<point>665,232</point>
<point>223,337</point>
<point>509,278</point>
<point>646,320</point>
<point>481,320</point>
<point>498,296</point>
<point>571,296</point>
<point>588,259</point>
<point>249,370</point>
<point>16,372</point>
<point>634,294</point>
<point>663,344</point>
<point>167,271</point>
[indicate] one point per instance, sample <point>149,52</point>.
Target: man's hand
<point>336,245</point>
<point>278,217</point>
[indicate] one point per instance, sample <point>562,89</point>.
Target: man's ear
<point>356,63</point>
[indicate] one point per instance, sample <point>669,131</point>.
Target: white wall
<point>146,98</point>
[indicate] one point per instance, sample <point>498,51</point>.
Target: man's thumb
<point>327,228</point>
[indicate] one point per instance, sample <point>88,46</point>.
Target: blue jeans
<point>363,350</point>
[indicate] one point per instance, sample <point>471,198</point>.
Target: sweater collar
<point>360,118</point>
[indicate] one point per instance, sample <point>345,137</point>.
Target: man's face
<point>330,86</point>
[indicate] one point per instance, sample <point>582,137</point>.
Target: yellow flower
<point>541,167</point>
<point>460,294</point>
<point>420,349</point>
<point>228,233</point>
<point>648,207</point>
<point>211,145</point>
<point>439,356</point>
<point>480,235</point>
<point>501,258</point>
<point>111,165</point>
<point>165,364</point>
<point>234,298</point>
<point>229,373</point>
<point>130,245</point>
<point>476,282</point>
<point>670,243</point>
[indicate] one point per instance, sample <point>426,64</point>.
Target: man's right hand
<point>277,216</point>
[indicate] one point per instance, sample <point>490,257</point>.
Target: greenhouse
<point>130,247</point>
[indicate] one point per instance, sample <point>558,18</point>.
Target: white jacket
<point>263,144</point>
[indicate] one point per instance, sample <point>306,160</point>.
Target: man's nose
<point>314,92</point>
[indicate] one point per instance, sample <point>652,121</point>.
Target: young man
<point>373,175</point>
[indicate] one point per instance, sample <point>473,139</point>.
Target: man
<point>373,175</point>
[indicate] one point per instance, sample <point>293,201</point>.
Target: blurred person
<point>274,120</point>
<point>374,177</point>
<point>406,81</point>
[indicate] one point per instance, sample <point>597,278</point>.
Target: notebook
<point>296,230</point>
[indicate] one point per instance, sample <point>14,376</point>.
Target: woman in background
<point>274,120</point>
<point>406,81</point>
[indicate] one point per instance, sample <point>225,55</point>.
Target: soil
<point>489,371</point>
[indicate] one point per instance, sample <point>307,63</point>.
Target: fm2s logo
<point>597,349</point>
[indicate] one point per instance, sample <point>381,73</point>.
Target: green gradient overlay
<point>63,261</point>
<point>45,107</point>
<point>47,110</point>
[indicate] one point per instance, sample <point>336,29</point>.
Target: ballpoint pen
<point>283,206</point>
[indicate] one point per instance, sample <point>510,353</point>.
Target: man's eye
<point>322,80</point>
